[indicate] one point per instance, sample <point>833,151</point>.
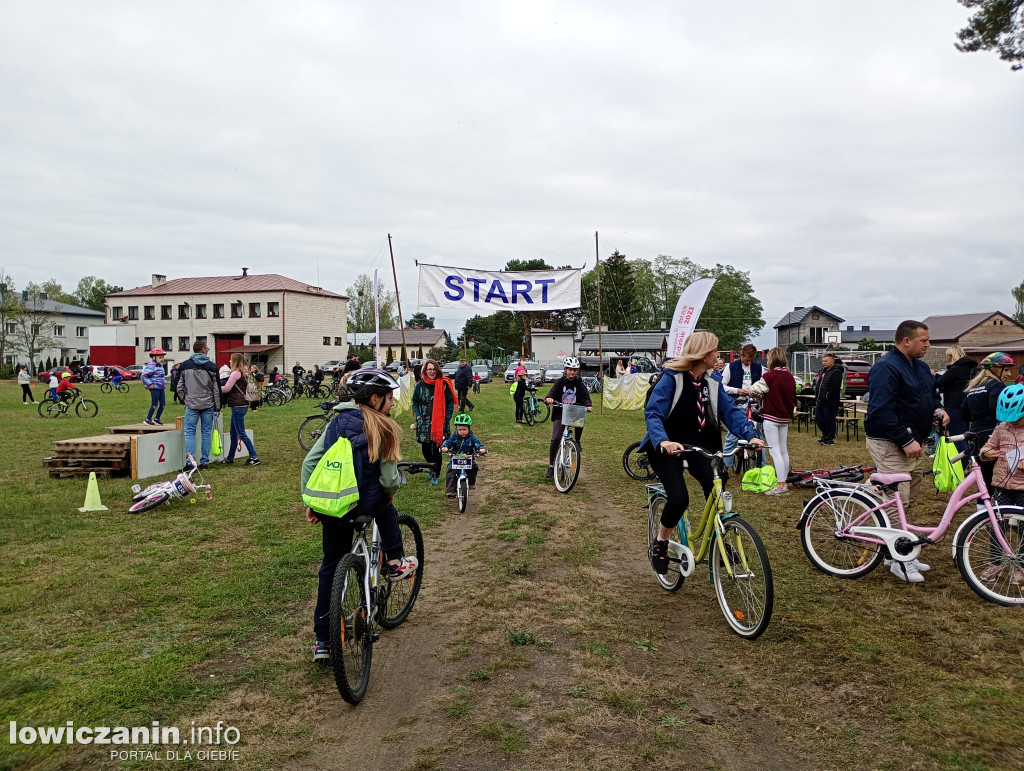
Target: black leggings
<point>26,393</point>
<point>669,469</point>
<point>432,454</point>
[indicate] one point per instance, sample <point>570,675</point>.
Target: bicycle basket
<point>462,462</point>
<point>573,415</point>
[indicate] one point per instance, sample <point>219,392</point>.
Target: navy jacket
<point>734,373</point>
<point>953,381</point>
<point>903,400</point>
<point>979,407</point>
<point>464,378</point>
<point>723,409</point>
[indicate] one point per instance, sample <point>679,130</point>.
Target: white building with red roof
<point>269,318</point>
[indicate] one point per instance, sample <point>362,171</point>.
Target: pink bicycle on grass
<point>846,531</point>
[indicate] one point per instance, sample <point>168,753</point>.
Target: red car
<point>44,376</point>
<point>126,374</point>
<point>856,377</point>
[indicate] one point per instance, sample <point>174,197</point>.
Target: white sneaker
<point>913,575</point>
<point>922,567</point>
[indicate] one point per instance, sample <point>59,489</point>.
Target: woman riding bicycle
<point>687,407</point>
<point>568,389</point>
<point>364,421</point>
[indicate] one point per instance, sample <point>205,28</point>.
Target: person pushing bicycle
<point>462,442</point>
<point>363,420</point>
<point>568,389</point>
<point>688,407</point>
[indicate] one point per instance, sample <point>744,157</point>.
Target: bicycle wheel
<point>351,636</point>
<point>106,388</point>
<point>397,597</point>
<point>542,413</point>
<point>150,502</point>
<point>567,465</point>
<point>124,388</point>
<point>992,574</point>
<point>275,398</point>
<point>311,430</point>
<point>828,512</point>
<point>741,463</point>
<point>462,493</point>
<point>636,464</point>
<point>87,408</point>
<point>748,595</point>
<point>672,581</point>
<point>530,413</point>
<point>49,409</point>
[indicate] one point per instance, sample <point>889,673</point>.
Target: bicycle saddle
<point>362,519</point>
<point>887,480</point>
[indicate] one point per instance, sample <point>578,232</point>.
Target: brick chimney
<point>159,280</point>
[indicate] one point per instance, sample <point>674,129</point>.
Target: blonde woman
<point>234,397</point>
<point>981,398</point>
<point>687,407</point>
<point>952,385</point>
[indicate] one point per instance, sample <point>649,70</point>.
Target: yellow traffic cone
<point>92,496</point>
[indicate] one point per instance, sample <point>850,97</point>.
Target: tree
<point>10,309</point>
<point>91,291</point>
<point>1018,298</point>
<point>34,324</point>
<point>794,347</point>
<point>360,306</point>
<point>421,320</point>
<point>998,25</point>
<point>868,344</point>
<point>731,312</point>
<point>438,353</point>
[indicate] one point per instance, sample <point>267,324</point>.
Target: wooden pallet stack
<point>108,454</point>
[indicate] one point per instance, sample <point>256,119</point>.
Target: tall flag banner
<point>376,316</point>
<point>691,303</point>
<point>486,291</point>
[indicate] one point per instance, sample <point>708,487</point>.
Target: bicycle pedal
<point>374,636</point>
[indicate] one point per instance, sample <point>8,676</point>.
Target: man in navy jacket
<point>900,412</point>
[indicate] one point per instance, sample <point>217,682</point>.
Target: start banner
<point>492,290</point>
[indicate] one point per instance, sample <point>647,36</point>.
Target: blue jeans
<point>192,417</point>
<point>730,444</point>
<point>158,400</point>
<point>238,432</point>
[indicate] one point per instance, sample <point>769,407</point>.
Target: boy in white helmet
<point>568,389</point>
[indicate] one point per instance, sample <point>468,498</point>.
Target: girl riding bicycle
<point>568,389</point>
<point>687,407</point>
<point>462,442</point>
<point>363,419</point>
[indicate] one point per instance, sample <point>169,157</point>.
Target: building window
<point>150,343</point>
<point>11,328</point>
<point>201,311</point>
<point>273,309</point>
<point>339,341</point>
<point>136,342</point>
<point>255,339</point>
<point>36,329</point>
<point>81,332</point>
<point>817,335</point>
<point>165,312</point>
<point>133,312</point>
<point>200,338</point>
<point>116,312</point>
<point>167,343</point>
<point>183,311</point>
<point>149,312</point>
<point>254,310</point>
<point>218,310</point>
<point>236,310</point>
<point>327,341</point>
<point>58,331</point>
<point>273,339</point>
<point>183,344</point>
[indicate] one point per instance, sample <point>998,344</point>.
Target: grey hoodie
<point>198,384</point>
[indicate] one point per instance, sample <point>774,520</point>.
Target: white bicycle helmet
<point>571,362</point>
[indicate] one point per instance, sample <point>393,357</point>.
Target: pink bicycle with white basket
<point>845,530</point>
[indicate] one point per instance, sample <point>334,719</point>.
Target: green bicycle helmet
<point>997,359</point>
<point>463,419</point>
<point>1010,406</point>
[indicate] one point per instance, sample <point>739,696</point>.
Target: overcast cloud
<point>843,153</point>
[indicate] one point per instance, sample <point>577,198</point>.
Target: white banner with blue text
<point>493,290</point>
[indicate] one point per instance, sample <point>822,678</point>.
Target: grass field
<point>561,636</point>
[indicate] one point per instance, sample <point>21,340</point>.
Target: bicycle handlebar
<point>415,467</point>
<point>742,444</point>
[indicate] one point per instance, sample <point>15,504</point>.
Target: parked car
<point>856,377</point>
<point>533,372</point>
<point>133,372</point>
<point>333,364</point>
<point>448,370</point>
<point>552,373</point>
<point>44,376</point>
<point>97,372</point>
<point>484,372</point>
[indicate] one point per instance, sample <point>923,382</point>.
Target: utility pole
<point>398,299</point>
<point>600,344</point>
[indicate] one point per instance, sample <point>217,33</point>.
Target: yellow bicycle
<point>738,563</point>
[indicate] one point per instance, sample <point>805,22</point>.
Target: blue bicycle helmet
<point>1010,406</point>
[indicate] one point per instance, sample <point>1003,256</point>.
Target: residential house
<point>813,326</point>
<point>979,334</point>
<point>269,318</point>
<point>61,329</point>
<point>418,342</point>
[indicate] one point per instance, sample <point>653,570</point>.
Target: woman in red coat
<point>777,410</point>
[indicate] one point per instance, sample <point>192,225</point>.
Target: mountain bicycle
<point>738,563</point>
<point>846,531</point>
<point>313,426</point>
<point>107,386</point>
<point>811,479</point>
<point>534,410</point>
<point>568,458</point>
<point>164,492</point>
<point>637,464</point>
<point>84,408</point>
<point>363,597</point>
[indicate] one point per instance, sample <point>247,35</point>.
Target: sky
<point>845,154</point>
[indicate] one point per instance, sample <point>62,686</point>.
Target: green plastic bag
<point>215,448</point>
<point>946,473</point>
<point>512,388</point>
<point>760,480</point>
